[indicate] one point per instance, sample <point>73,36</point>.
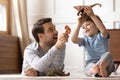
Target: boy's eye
<point>83,27</point>
<point>87,24</point>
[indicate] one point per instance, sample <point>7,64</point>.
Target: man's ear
<point>40,35</point>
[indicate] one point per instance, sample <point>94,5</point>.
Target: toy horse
<point>81,11</point>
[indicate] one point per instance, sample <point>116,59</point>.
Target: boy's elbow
<point>73,40</point>
<point>76,40</point>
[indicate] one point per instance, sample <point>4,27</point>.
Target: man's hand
<point>61,40</point>
<point>31,72</point>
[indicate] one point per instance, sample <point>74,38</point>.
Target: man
<point>47,53</point>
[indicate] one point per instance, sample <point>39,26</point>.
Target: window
<point>4,16</point>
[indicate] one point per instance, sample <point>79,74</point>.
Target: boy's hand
<point>88,10</point>
<point>80,8</point>
<point>81,19</point>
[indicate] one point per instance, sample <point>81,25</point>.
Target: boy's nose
<point>85,28</point>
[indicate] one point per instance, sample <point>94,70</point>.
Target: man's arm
<point>41,64</point>
<point>31,72</point>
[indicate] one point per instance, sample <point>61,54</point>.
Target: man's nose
<point>55,31</point>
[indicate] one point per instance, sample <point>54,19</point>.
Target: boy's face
<point>89,28</point>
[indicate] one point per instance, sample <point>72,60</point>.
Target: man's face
<point>50,34</point>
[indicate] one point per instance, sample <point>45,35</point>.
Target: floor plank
<point>73,76</point>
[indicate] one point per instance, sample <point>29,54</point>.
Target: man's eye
<point>51,30</point>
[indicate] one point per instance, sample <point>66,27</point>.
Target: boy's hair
<point>38,27</point>
<point>89,19</point>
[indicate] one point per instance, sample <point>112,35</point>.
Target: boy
<point>98,58</point>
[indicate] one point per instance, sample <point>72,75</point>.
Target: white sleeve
<point>41,64</point>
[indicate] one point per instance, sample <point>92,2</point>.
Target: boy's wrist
<point>92,15</point>
<point>79,24</point>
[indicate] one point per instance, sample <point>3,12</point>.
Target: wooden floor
<point>73,76</point>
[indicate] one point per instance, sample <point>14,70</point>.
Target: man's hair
<point>38,27</point>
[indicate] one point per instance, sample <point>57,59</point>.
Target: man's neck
<point>44,47</point>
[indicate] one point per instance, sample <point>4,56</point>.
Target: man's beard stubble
<point>50,43</point>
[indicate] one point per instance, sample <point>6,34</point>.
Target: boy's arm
<point>75,38</point>
<point>99,25</point>
<point>97,22</point>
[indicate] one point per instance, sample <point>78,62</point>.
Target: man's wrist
<point>58,47</point>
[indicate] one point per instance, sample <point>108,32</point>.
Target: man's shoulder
<point>34,46</point>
